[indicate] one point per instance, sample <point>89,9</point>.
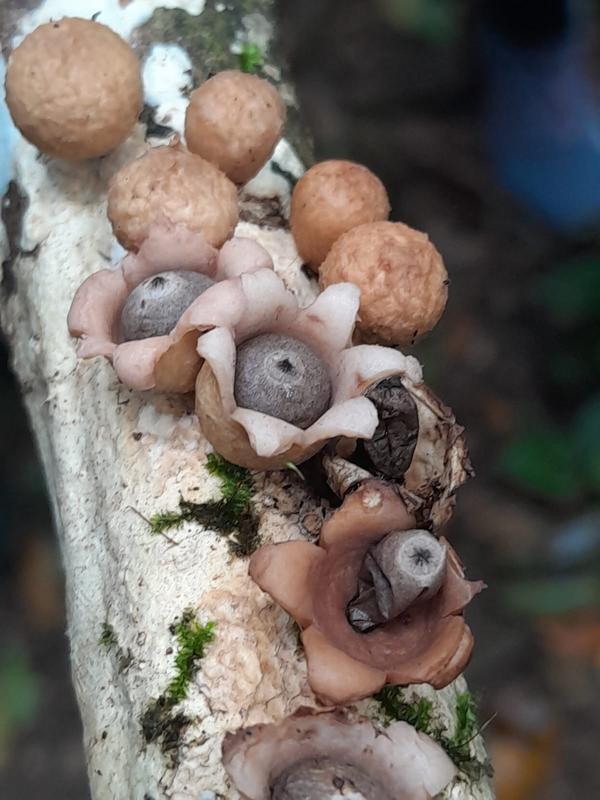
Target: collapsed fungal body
<point>145,297</point>
<point>170,186</point>
<point>241,311</point>
<point>73,88</point>
<point>427,642</point>
<point>328,755</point>
<point>417,445</point>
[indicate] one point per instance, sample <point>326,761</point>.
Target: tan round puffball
<point>73,88</point>
<point>234,120</point>
<point>401,276</point>
<point>329,199</point>
<point>170,186</point>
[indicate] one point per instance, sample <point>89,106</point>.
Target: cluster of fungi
<point>192,307</point>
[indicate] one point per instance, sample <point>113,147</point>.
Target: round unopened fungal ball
<point>73,88</point>
<point>234,120</point>
<point>154,307</point>
<point>331,198</point>
<point>324,778</point>
<point>281,376</point>
<point>401,276</point>
<point>169,185</point>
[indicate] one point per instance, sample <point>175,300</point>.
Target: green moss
<point>250,58</point>
<point>417,714</point>
<point>207,37</point>
<point>108,637</point>
<point>236,482</point>
<point>457,744</point>
<point>163,727</point>
<point>160,723</point>
<point>192,639</point>
<point>232,516</point>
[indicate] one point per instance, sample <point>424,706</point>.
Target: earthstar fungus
<point>167,362</point>
<point>427,643</point>
<point>315,755</point>
<point>257,304</point>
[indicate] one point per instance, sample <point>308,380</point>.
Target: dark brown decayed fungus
<point>427,643</point>
<point>73,88</point>
<point>170,186</point>
<point>234,120</point>
<point>401,276</point>
<point>329,755</point>
<point>417,445</point>
<point>329,199</point>
<point>390,451</point>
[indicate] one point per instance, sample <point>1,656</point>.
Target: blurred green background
<point>400,85</point>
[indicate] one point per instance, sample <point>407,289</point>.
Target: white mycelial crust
<point>167,76</point>
<point>122,17</point>
<point>286,261</point>
<point>111,454</point>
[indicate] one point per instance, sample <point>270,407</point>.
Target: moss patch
<point>108,639</point>
<point>250,58</point>
<point>417,714</point>
<point>457,744</point>
<point>207,37</point>
<point>192,639</point>
<point>161,723</point>
<point>162,726</point>
<point>232,516</point>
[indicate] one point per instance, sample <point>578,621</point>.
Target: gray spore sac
<point>324,778</point>
<point>154,307</point>
<point>404,568</point>
<point>283,377</point>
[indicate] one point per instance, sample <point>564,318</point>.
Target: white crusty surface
<point>111,454</point>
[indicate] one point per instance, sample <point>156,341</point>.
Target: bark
<point>113,456</point>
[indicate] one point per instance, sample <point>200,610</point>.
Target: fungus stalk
<point>113,456</point>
